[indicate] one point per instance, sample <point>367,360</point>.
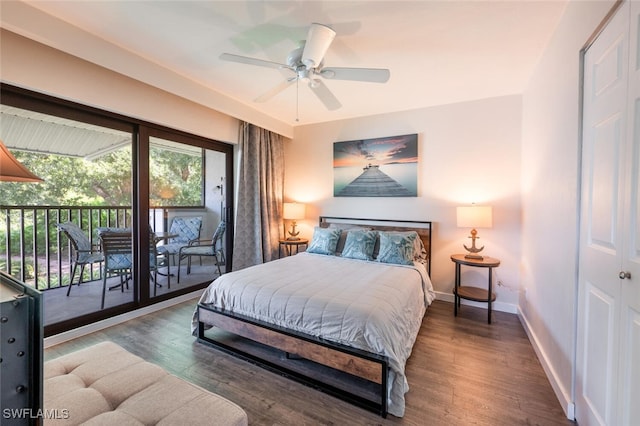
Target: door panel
<point>599,345</point>
<point>631,368</point>
<point>634,209</point>
<point>602,234</point>
<point>630,287</point>
<point>603,185</point>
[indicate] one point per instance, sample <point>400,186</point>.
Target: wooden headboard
<point>422,228</point>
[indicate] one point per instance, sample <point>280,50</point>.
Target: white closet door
<point>629,386</point>
<point>602,218</point>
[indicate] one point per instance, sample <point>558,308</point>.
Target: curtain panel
<point>260,196</point>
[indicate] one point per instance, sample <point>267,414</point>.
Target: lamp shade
<point>293,211</point>
<point>474,217</point>
<point>11,170</point>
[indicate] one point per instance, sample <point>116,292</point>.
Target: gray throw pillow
<point>359,245</point>
<point>324,241</point>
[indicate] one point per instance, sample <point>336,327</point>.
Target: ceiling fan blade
<point>275,90</point>
<point>318,41</point>
<point>373,75</point>
<point>324,94</point>
<point>251,61</point>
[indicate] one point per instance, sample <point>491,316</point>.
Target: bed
<point>341,317</point>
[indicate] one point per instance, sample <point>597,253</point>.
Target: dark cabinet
<point>21,335</point>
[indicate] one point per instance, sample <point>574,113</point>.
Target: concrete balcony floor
<point>85,298</point>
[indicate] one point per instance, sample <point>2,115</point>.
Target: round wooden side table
<point>288,245</point>
<point>474,293</point>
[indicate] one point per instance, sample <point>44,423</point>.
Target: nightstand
<point>474,293</point>
<point>288,246</point>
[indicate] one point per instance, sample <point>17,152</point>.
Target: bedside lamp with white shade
<point>12,170</point>
<point>293,212</point>
<point>474,217</point>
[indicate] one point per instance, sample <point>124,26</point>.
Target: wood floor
<point>463,371</point>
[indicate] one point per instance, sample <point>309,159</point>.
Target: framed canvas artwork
<point>380,167</point>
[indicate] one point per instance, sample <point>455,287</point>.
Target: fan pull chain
<point>297,98</point>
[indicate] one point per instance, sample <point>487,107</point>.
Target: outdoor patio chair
<point>158,260</point>
<point>83,252</point>
<point>117,248</point>
<point>118,260</point>
<point>186,229</point>
<point>212,248</point>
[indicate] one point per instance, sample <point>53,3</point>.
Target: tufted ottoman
<point>106,385</point>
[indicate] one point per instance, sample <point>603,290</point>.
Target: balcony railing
<point>32,249</point>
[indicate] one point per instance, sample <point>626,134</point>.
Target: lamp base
<point>293,234</point>
<point>473,256</point>
<point>473,250</point>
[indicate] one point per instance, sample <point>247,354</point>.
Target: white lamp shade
<point>11,170</point>
<point>293,211</point>
<point>474,217</point>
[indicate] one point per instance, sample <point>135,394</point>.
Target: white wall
<point>469,152</point>
<point>550,179</point>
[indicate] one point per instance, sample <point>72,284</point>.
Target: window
<point>176,174</point>
<point>102,169</point>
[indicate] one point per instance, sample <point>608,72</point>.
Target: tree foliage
<point>176,180</point>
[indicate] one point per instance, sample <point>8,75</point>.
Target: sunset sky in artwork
<point>389,150</point>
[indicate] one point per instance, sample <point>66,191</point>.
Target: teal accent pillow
<point>344,228</point>
<point>397,248</point>
<point>324,241</point>
<point>359,245</point>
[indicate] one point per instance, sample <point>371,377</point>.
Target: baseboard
<point>100,325</point>
<point>563,396</point>
<point>496,306</point>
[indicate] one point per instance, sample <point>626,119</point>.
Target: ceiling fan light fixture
<point>303,73</point>
<point>307,63</point>
<point>318,41</point>
<point>328,73</point>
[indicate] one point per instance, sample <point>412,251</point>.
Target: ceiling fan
<point>306,62</point>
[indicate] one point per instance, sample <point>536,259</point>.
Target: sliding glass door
<point>186,205</point>
<point>53,229</point>
<point>163,192</point>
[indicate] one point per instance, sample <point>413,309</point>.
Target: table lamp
<point>293,212</point>
<point>474,217</point>
<point>12,170</point>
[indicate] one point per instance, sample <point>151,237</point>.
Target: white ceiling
<point>438,52</point>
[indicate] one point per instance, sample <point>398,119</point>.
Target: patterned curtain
<point>260,196</point>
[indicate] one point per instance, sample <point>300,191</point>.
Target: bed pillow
<point>345,228</point>
<point>324,241</point>
<point>420,252</point>
<point>397,247</point>
<point>359,244</point>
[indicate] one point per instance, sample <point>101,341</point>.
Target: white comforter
<point>367,305</point>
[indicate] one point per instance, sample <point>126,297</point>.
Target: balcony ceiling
<point>438,52</point>
<point>35,132</point>
<point>31,131</point>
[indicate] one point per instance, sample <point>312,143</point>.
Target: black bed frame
<point>372,368</point>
